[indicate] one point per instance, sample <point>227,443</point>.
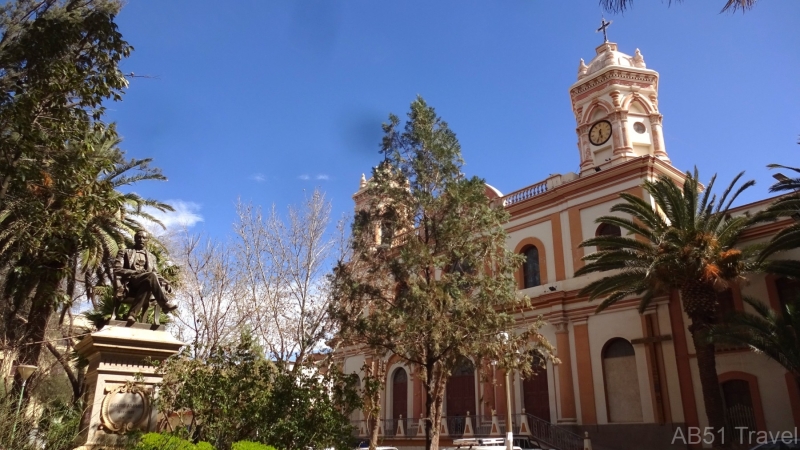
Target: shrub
<point>158,441</point>
<point>249,445</point>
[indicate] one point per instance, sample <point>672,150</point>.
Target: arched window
<point>623,401</point>
<point>399,394</point>
<point>530,267</point>
<point>606,229</point>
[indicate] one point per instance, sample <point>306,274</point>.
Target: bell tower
<point>615,102</point>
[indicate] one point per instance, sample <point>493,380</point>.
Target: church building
<point>628,379</point>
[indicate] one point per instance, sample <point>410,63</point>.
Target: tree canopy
<point>429,278</point>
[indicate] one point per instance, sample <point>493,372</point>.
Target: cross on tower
<point>603,26</point>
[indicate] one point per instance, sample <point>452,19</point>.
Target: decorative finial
<point>582,69</point>
<point>363,183</point>
<point>638,60</point>
<point>603,25</point>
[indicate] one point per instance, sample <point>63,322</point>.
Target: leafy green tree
<point>58,63</point>
<point>619,6</point>
<point>236,394</point>
<point>64,231</point>
<point>684,240</point>
<point>429,279</point>
<point>59,214</point>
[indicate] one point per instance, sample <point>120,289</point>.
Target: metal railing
<point>542,431</point>
<point>553,435</point>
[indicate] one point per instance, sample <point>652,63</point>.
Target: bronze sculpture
<point>138,282</point>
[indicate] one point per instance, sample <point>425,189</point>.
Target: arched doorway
<point>739,404</point>
<point>535,391</point>
<point>623,400</point>
<point>461,390</point>
<point>399,394</point>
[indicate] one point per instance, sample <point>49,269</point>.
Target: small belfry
<point>615,102</point>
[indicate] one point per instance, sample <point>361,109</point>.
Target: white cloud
<point>304,177</point>
<point>258,177</point>
<point>322,176</point>
<point>186,214</point>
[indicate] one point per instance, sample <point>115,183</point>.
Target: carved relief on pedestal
<point>125,408</point>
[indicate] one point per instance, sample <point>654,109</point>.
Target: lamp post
<point>25,371</point>
<point>509,427</point>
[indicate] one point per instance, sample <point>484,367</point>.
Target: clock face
<point>600,132</point>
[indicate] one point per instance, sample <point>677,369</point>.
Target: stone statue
<point>638,60</point>
<point>582,69</point>
<point>138,281</point>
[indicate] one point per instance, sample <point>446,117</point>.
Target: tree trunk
<point>38,317</point>
<point>699,301</point>
<point>434,394</point>
<point>373,433</point>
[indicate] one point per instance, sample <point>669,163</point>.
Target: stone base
<point>120,381</point>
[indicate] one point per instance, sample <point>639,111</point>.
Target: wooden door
<point>536,394</point>
<point>400,394</point>
<point>460,395</point>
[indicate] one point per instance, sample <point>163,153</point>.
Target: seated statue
<point>136,270</point>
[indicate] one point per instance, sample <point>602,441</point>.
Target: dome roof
<point>608,56</point>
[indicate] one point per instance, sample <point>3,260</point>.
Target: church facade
<point>628,379</point>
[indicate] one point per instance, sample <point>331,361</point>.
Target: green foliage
<point>61,210</point>
<point>158,441</point>
<point>683,240</point>
<point>686,241</point>
<point>249,445</point>
<point>772,333</point>
<point>236,394</point>
<point>57,428</point>
<point>430,278</point>
<point>59,425</point>
<point>788,238</point>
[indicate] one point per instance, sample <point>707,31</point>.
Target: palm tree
<point>789,237</point>
<point>772,333</point>
<point>619,6</point>
<point>684,241</point>
<point>65,229</point>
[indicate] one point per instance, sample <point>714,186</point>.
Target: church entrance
<point>399,397</point>
<point>535,392</point>
<point>739,405</point>
<point>460,396</point>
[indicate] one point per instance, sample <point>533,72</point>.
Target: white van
<point>481,444</point>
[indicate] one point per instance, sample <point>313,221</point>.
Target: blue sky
<point>265,100</point>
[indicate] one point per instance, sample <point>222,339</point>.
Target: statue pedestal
<point>120,381</point>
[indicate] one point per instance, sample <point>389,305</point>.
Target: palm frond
<point>783,267</point>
